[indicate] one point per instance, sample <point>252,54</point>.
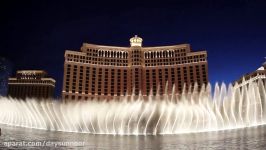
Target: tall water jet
<point>199,110</point>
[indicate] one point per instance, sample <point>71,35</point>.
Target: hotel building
<point>32,84</point>
<point>108,71</point>
<point>259,74</point>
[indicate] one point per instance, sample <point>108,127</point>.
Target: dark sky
<point>35,34</point>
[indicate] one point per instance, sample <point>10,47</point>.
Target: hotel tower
<point>109,71</point>
<point>31,84</point>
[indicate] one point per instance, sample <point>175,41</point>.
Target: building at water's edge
<point>255,76</point>
<point>31,84</point>
<point>109,71</point>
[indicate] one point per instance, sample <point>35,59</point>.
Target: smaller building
<point>32,84</point>
<point>254,76</point>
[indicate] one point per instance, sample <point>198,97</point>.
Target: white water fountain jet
<point>199,110</point>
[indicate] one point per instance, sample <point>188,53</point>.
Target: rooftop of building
<point>134,42</point>
<point>31,72</point>
<point>32,75</point>
<point>260,70</point>
<point>42,79</point>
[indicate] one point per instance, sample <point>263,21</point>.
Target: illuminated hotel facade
<point>108,71</point>
<point>31,84</point>
<point>255,76</point>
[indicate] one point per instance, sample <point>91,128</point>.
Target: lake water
<point>24,138</point>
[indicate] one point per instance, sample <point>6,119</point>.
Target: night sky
<point>35,34</point>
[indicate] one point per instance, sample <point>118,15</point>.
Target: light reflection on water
<point>247,138</point>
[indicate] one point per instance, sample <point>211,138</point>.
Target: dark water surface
<point>247,138</point>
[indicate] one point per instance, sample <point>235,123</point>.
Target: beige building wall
<point>31,84</point>
<point>108,71</point>
<point>255,76</point>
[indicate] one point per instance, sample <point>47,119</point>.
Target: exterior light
<point>136,41</point>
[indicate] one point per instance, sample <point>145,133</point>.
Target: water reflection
<point>247,138</point>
